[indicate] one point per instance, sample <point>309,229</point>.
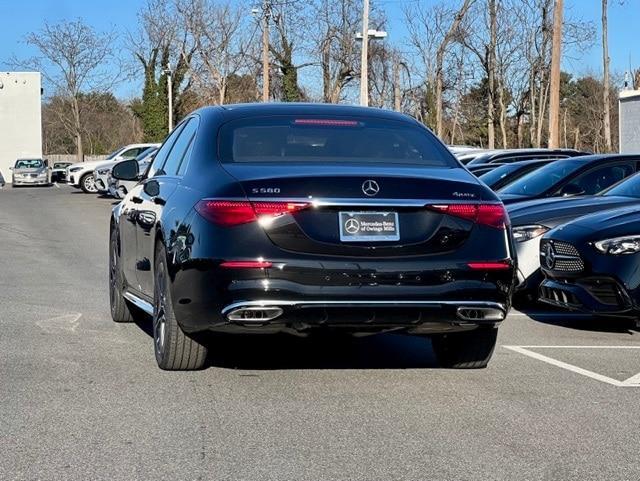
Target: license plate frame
<point>369,226</point>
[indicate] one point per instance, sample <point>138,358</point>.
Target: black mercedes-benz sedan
<point>531,220</point>
<point>300,218</point>
<point>515,155</point>
<point>586,175</point>
<point>591,264</point>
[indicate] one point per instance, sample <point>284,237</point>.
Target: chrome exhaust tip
<point>480,314</point>
<point>254,314</point>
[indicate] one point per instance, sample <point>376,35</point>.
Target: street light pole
<point>170,94</point>
<point>364,61</point>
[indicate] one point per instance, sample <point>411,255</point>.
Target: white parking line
<point>633,381</point>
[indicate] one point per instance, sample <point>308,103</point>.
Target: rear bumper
<point>366,298</point>
<point>363,316</point>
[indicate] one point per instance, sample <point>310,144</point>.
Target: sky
<point>19,17</point>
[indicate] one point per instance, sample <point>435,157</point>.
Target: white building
<point>629,102</point>
<point>20,118</point>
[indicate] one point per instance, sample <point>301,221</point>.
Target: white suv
<point>80,175</point>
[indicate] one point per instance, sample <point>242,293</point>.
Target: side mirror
<point>152,188</point>
<point>125,170</point>
<point>571,189</point>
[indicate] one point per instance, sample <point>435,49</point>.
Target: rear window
<point>336,140</point>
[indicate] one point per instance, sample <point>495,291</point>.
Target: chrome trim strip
<point>331,303</point>
<point>318,202</point>
<point>139,303</point>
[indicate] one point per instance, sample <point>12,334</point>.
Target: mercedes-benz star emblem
<point>549,256</point>
<point>370,188</point>
<point>352,226</point>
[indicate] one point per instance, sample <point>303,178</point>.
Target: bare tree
<point>334,44</point>
<point>221,39</point>
<point>73,59</point>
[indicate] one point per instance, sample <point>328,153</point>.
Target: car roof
<point>237,111</point>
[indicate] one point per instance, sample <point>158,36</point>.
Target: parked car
<point>2,182</point>
<point>30,172</point>
<point>296,218</point>
<point>515,155</point>
<point>480,169</point>
<point>591,264</point>
<point>570,177</point>
<point>466,157</point>
<point>119,188</point>
<point>101,173</point>
<point>506,173</point>
<point>59,171</point>
<point>80,175</point>
<point>531,220</point>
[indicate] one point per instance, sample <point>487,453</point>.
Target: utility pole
<point>266,12</point>
<point>397,99</point>
<point>605,65</point>
<point>169,74</point>
<point>554,89</point>
<point>364,62</point>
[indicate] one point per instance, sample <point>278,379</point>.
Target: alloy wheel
<point>89,183</point>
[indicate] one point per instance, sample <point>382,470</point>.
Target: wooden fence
<point>71,158</point>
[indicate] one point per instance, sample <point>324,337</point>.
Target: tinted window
<point>495,175</point>
<point>336,140</point>
<point>163,151</point>
<point>628,188</point>
<point>599,179</point>
<point>180,148</point>
<point>541,180</point>
<point>185,160</point>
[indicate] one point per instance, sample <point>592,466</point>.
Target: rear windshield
<point>281,139</point>
<point>542,179</point>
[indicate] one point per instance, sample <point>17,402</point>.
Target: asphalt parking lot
<point>81,398</point>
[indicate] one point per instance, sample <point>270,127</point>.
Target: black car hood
<point>610,223</point>
<point>554,211</point>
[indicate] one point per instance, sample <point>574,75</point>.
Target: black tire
<point>174,350</point>
<point>465,350</point>
<point>120,310</point>
<point>87,183</point>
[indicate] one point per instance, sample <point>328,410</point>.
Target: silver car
<point>30,172</point>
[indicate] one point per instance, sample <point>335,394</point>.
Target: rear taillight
<point>228,213</point>
<point>492,215</point>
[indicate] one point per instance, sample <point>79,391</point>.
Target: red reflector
<point>246,264</point>
<point>489,266</point>
<point>492,215</point>
<point>328,122</point>
<point>228,213</point>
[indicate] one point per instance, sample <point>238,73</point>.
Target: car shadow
<point>329,350</point>
<point>583,322</point>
